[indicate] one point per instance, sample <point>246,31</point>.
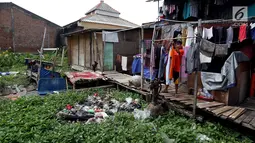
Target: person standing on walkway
<point>176,58</point>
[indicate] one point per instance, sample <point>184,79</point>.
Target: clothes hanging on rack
<point>184,75</point>
<point>184,34</point>
<point>207,48</point>
<point>230,35</point>
<point>190,33</point>
<point>190,9</point>
<point>162,62</point>
<point>221,49</point>
<point>168,65</point>
<point>204,59</point>
<point>207,33</point>
<point>226,79</point>
<point>220,35</point>
<point>167,31</point>
<point>192,62</point>
<point>253,32</point>
<point>242,32</point>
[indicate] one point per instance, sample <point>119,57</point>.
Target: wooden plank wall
<point>81,50</point>
<point>74,49</point>
<point>99,41</point>
<point>87,49</point>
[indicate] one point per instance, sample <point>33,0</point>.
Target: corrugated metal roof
<point>104,7</point>
<point>95,18</point>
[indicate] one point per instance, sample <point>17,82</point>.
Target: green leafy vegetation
<point>33,119</point>
<point>10,61</point>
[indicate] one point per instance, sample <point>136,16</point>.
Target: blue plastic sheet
<point>136,66</point>
<point>48,74</point>
<point>48,85</point>
<point>147,73</point>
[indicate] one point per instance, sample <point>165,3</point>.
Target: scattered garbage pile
<point>97,108</point>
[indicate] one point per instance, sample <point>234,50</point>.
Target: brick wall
<point>5,26</point>
<point>28,30</point>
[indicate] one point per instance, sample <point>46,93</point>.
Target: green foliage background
<point>33,120</point>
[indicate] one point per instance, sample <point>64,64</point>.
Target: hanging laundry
<point>168,81</point>
<point>207,48</point>
<point>192,61</point>
<point>242,32</point>
<point>161,62</point>
<point>124,63</point>
<point>168,31</point>
<point>252,25</point>
<point>207,33</point>
<point>221,49</point>
<point>193,8</point>
<point>184,34</point>
<point>204,58</point>
<point>190,33</point>
<point>227,78</point>
<point>236,34</point>
<point>184,75</point>
<point>220,35</point>
<point>195,35</point>
<point>186,10</point>
<point>253,33</point>
<point>230,35</point>
<point>190,9</point>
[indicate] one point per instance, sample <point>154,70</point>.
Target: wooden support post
<point>152,49</point>
<point>63,55</point>
<point>142,58</point>
<point>41,54</point>
<point>196,73</point>
<point>102,69</point>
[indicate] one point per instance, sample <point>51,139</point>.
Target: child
<point>176,58</point>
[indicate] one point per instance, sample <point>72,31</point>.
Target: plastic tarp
<point>110,37</point>
<point>136,66</point>
<point>147,73</point>
<point>77,76</point>
<point>227,78</point>
<point>48,74</point>
<point>49,85</point>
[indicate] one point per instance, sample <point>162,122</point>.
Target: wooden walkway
<point>238,115</point>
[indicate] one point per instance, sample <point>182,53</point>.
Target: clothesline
<point>174,38</point>
<point>207,21</point>
<point>178,21</point>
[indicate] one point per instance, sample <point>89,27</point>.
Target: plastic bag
<point>129,100</point>
<point>141,115</point>
<point>203,138</point>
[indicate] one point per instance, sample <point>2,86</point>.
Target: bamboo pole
<point>196,72</point>
<point>41,54</point>
<point>142,58</point>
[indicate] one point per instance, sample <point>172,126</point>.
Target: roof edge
<point>13,4</point>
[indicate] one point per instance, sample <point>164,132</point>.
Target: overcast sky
<point>63,12</point>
